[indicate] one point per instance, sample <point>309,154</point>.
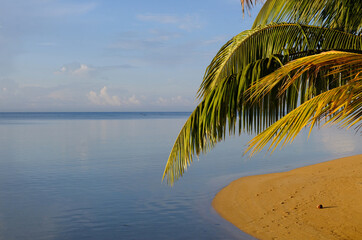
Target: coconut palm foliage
<point>243,91</point>
<point>341,105</point>
<point>345,15</point>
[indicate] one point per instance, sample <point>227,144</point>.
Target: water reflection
<point>101,178</point>
<point>337,141</point>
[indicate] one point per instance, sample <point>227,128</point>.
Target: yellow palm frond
<point>341,105</point>
<point>334,66</point>
<point>280,72</point>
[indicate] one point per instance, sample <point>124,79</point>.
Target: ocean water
<point>98,176</point>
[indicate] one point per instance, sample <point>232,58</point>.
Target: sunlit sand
<point>285,205</point>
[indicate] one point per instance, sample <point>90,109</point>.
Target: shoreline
<point>284,205</point>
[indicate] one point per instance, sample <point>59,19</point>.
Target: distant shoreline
<point>284,205</point>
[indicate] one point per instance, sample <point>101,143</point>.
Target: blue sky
<point>93,55</point>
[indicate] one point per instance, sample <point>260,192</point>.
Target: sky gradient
<point>93,55</point>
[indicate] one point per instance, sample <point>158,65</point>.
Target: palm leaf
<point>332,68</point>
<point>287,41</point>
<point>345,15</point>
<point>341,105</point>
<point>193,138</point>
<point>252,55</point>
<point>213,118</point>
<point>224,106</point>
<point>337,68</point>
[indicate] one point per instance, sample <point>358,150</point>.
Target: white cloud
<point>76,69</point>
<point>162,101</point>
<point>187,22</point>
<point>103,98</point>
<point>133,100</point>
<point>83,69</point>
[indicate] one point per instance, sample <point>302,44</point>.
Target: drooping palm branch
<point>240,62</point>
<point>341,104</point>
<point>252,55</point>
<point>328,69</point>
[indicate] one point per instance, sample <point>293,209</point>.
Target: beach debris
<point>320,206</point>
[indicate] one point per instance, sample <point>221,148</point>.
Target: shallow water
<point>98,176</point>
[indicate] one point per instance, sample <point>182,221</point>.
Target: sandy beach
<point>284,205</point>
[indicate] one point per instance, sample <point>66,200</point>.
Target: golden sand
<point>284,205</point>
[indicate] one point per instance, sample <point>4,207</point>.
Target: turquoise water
<point>98,176</point>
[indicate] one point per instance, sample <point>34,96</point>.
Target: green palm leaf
<point>240,63</point>
<point>339,105</point>
<point>330,69</point>
<point>286,41</point>
<point>345,15</point>
<point>189,141</point>
<point>328,86</point>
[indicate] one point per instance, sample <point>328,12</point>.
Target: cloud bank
<point>103,98</point>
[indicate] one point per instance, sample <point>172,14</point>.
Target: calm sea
<point>98,176</point>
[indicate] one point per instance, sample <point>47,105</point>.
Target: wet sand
<point>284,205</point>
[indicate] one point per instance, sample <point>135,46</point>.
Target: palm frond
<point>218,114</point>
<point>344,15</point>
<point>341,105</point>
<point>327,86</point>
<point>189,142</point>
<point>330,69</point>
<point>224,108</point>
<point>287,41</point>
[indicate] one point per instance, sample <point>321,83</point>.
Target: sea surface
<point>98,175</point>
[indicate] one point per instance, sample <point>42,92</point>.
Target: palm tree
<point>300,64</point>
